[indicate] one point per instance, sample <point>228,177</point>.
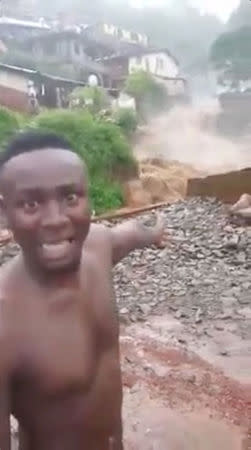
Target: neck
<point>62,278</point>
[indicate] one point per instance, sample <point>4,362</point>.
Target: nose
<point>53,216</point>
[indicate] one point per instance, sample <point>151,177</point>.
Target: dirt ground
<point>175,399</point>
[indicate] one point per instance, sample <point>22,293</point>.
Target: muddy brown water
<point>176,398</point>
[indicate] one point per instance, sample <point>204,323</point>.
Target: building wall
<point>69,51</point>
<point>13,81</point>
<point>125,35</point>
<point>14,90</point>
<point>159,64</point>
<point>118,68</point>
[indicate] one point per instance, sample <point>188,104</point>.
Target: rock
<point>246,313</point>
<point>182,340</point>
<point>244,299</point>
<point>189,378</point>
<point>233,242</point>
<point>228,301</point>
<point>198,318</point>
<point>180,315</point>
<point>219,327</point>
<point>145,308</point>
<point>175,280</point>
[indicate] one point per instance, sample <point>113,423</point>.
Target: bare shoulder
<point>8,273</point>
<point>98,235</point>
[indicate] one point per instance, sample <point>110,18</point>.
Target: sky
<point>222,8</point>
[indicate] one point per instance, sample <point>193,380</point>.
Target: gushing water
<point>188,134</point>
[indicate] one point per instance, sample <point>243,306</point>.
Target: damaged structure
<point>50,91</point>
<point>160,63</point>
<point>106,53</point>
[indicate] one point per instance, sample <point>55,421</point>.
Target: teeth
<point>56,251</point>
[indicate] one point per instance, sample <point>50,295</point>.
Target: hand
<point>161,234</point>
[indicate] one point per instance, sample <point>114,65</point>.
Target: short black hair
<point>29,141</point>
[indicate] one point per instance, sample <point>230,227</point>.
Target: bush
<point>9,124</point>
<point>105,195</point>
<point>94,99</point>
<point>150,96</point>
<point>103,148</point>
<point>126,119</point>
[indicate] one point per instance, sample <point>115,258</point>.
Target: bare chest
<point>59,341</point>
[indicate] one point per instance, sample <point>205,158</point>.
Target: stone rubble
<point>201,277</point>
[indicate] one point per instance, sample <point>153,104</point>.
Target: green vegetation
<point>150,96</point>
<point>100,144</point>
<point>126,119</point>
<point>232,53</point>
<point>9,124</point>
<point>105,195</point>
<point>241,16</point>
<point>103,148</point>
<point>95,99</point>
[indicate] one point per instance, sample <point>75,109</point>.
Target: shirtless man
<point>59,333</point>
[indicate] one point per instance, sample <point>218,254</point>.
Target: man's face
<point>46,203</point>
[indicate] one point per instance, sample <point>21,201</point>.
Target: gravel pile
<point>203,275</point>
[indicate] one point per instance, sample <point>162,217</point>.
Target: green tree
<point>150,96</point>
<point>95,99</point>
<point>101,145</point>
<point>9,124</point>
<point>126,119</point>
<point>241,16</point>
<point>232,53</point>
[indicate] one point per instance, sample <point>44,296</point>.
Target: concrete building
<point>113,34</point>
<point>17,84</point>
<point>158,62</point>
<point>71,49</point>
<point>20,30</point>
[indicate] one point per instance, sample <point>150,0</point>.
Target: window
<point>138,60</point>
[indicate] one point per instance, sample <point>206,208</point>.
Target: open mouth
<point>57,250</point>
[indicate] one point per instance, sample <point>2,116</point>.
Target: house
<point>17,83</point>
<point>158,62</point>
<point>15,29</point>
<point>14,87</point>
<point>73,50</point>
<point>113,34</point>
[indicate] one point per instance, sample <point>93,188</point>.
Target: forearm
<point>131,236</point>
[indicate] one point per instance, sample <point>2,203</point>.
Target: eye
<point>31,206</point>
<point>72,199</point>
